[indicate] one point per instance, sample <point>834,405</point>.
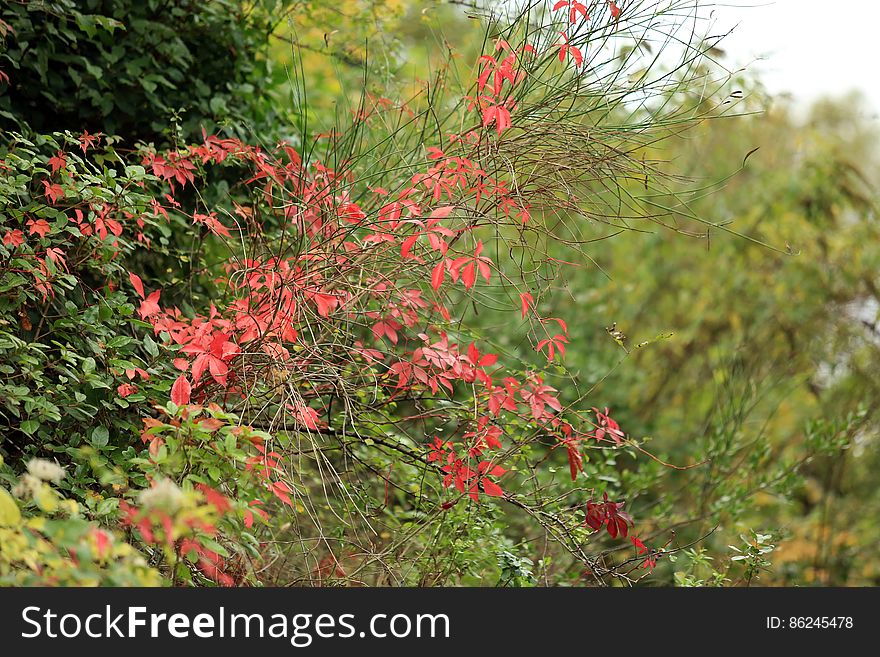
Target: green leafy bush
<point>132,68</point>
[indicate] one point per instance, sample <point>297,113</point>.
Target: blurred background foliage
<point>773,354</point>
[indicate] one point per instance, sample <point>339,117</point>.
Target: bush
<point>80,366</point>
<point>56,546</point>
<point>132,68</point>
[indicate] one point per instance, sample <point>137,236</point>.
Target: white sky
<point>810,48</point>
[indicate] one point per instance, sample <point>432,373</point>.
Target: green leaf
<point>100,437</point>
<point>29,426</point>
<point>151,346</point>
<point>9,512</point>
<point>119,341</point>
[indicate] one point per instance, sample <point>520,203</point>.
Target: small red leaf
<point>181,390</point>
<point>437,275</point>
<point>150,305</point>
<point>137,283</point>
<point>442,212</point>
<point>575,461</point>
<point>407,245</point>
<point>468,276</point>
<point>526,300</point>
<point>492,489</point>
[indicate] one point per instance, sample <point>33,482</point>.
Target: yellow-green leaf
<point>9,513</point>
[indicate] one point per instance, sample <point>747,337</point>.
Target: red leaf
<point>200,364</point>
<point>13,238</point>
<point>280,490</point>
<point>612,528</point>
<point>615,10</point>
<point>126,389</point>
<point>485,271</point>
<point>102,542</point>
<point>526,300</point>
<point>39,227</point>
<point>181,390</point>
<point>326,303</point>
<point>218,370</point>
<point>214,498</point>
<point>492,489</point>
<point>53,191</point>
<point>408,245</point>
<point>575,461</point>
<point>442,212</point>
<point>305,415</point>
<point>469,276</point>
<point>137,283</point>
<point>58,161</point>
<point>638,544</point>
<point>150,305</point>
<point>437,275</point>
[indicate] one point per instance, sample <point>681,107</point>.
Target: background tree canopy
<point>395,293</point>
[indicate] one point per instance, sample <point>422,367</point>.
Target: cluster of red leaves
<point>361,265</point>
<point>86,226</point>
<point>609,515</point>
<point>572,439</point>
<point>606,427</point>
<point>617,523</point>
<point>458,471</point>
<point>499,68</point>
<point>383,260</point>
<point>651,556</point>
<point>277,297</point>
<point>555,344</point>
<point>576,9</point>
<point>184,532</point>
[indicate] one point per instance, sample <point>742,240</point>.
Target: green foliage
<point>37,542</point>
<point>765,387</point>
<point>79,366</point>
<point>141,70</point>
<point>754,555</point>
<point>67,338</point>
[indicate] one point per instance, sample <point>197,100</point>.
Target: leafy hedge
<point>133,68</point>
